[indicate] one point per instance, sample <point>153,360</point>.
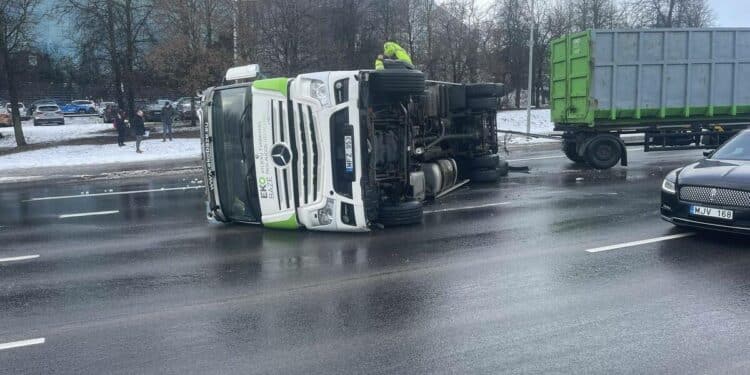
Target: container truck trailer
<point>342,150</point>
<point>680,88</point>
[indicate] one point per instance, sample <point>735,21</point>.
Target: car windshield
<point>738,148</point>
<point>48,108</point>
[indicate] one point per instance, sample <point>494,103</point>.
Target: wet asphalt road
<point>504,288</point>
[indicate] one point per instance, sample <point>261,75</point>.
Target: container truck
<point>342,150</point>
<point>680,88</point>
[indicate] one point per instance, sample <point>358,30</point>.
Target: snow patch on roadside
<point>74,128</point>
<point>63,156</point>
<point>515,120</point>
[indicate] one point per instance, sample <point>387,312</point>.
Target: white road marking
<point>89,214</point>
<point>112,193</point>
<point>638,243</point>
<point>19,258</point>
<point>22,343</point>
<point>466,208</point>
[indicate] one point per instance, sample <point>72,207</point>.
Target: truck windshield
<point>233,151</point>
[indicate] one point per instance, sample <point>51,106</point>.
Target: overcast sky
<point>731,13</point>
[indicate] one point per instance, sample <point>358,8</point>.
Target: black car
<point>713,193</point>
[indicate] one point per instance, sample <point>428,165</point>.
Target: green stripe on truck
<point>289,223</point>
<point>272,84</point>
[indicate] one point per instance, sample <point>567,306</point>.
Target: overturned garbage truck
<point>343,150</point>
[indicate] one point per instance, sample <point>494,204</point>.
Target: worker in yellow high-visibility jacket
<point>392,50</point>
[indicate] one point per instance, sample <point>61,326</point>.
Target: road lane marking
<point>112,193</point>
<point>82,214</point>
<point>641,242</point>
<point>18,258</point>
<point>466,208</point>
<point>22,343</point>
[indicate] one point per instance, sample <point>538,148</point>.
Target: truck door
<point>229,155</point>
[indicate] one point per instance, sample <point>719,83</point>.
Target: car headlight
<point>325,214</point>
<point>670,182</point>
<point>318,90</point>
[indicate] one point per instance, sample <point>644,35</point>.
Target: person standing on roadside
<point>139,128</point>
<point>167,114</point>
<point>120,126</point>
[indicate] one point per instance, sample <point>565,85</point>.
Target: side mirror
<point>708,153</point>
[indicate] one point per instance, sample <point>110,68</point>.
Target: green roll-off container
<point>630,78</point>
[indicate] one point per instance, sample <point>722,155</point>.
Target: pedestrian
<point>119,121</point>
<point>167,114</point>
<point>139,128</point>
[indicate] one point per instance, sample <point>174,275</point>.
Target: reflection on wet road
<point>496,280</point>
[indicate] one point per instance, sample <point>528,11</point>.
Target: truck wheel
<point>571,151</point>
<point>404,213</point>
<point>396,81</point>
<point>482,104</point>
<point>485,175</point>
<point>603,151</point>
<point>487,161</point>
<point>481,90</point>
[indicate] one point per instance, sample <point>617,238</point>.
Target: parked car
<point>152,112</point>
<point>35,104</point>
<point>5,118</point>
<point>46,114</point>
<point>80,107</point>
<point>713,193</point>
<point>21,110</point>
<point>183,107</point>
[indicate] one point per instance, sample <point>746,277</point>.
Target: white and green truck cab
<point>342,150</point>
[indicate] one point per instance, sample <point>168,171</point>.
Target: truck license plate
<point>349,153</point>
<point>712,212</point>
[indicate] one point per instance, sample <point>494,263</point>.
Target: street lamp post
<point>531,60</point>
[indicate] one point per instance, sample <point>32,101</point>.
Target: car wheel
<point>404,213</point>
<point>571,151</point>
<point>485,175</point>
<point>480,90</point>
<point>482,104</point>
<point>603,152</point>
<point>487,161</point>
<point>400,82</point>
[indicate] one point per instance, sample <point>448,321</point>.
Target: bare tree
<point>16,20</point>
<point>672,13</point>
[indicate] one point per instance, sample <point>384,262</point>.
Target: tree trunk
<point>113,55</point>
<point>12,90</point>
<point>129,52</point>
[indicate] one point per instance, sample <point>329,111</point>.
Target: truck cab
<point>340,150</point>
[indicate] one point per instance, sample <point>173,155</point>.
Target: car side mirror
<point>708,153</point>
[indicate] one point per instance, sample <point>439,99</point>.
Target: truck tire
<point>485,175</point>
<point>503,168</point>
<point>401,82</point>
<point>571,151</point>
<point>487,161</point>
<point>481,90</point>
<point>482,104</point>
<point>404,213</point>
<point>603,151</point>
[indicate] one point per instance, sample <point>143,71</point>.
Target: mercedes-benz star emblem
<point>281,155</point>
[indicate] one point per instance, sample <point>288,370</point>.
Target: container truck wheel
<point>603,151</point>
<point>403,213</point>
<point>571,151</point>
<point>397,81</point>
<point>487,161</point>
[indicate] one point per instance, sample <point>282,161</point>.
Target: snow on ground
<point>515,120</point>
<point>74,128</point>
<point>153,150</point>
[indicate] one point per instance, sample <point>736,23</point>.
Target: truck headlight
<point>325,214</point>
<point>669,183</point>
<point>319,91</point>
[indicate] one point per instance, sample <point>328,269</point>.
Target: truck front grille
<point>718,196</point>
<point>308,163</point>
<point>284,177</point>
